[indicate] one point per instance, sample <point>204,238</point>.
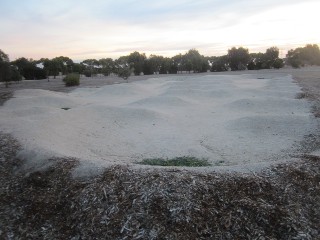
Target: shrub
<point>251,66</point>
<point>72,79</point>
<point>124,72</point>
<point>87,73</point>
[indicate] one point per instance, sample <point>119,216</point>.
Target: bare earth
<point>281,202</point>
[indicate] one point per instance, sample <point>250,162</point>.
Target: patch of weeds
<point>301,95</point>
<point>65,108</point>
<point>315,109</point>
<point>185,161</point>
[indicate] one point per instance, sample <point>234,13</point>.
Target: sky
<point>82,29</point>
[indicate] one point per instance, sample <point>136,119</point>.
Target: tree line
<point>138,63</point>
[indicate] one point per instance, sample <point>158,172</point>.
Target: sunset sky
<point>82,29</point>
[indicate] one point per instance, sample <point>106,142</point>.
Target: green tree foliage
<point>4,67</point>
<point>205,64</point>
<point>15,74</point>
<point>278,63</point>
<point>178,62</point>
<point>34,73</point>
<point>23,63</point>
<point>256,61</point>
<point>271,55</point>
<point>148,68</point>
<point>122,67</point>
<point>308,55</point>
<point>165,66</point>
<point>136,61</point>
<point>238,58</point>
<point>169,66</point>
<point>153,64</point>
<point>3,56</point>
<point>193,61</point>
<point>87,72</point>
<point>55,67</point>
<point>78,68</point>
<point>5,72</point>
<point>294,58</point>
<point>121,61</point>
<point>8,72</point>
<point>46,65</point>
<point>124,72</point>
<point>29,70</point>
<point>219,64</point>
<point>269,59</point>
<point>107,66</point>
<point>72,79</point>
<point>66,65</point>
<point>91,67</point>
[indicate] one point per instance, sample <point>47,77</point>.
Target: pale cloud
<point>96,29</point>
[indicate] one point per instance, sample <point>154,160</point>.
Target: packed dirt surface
<point>281,202</point>
<point>230,120</point>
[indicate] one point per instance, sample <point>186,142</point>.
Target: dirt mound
<point>281,203</point>
<point>221,118</point>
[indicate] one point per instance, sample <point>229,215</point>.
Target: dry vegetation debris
<point>122,203</point>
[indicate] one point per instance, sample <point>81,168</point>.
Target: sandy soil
<point>281,203</point>
<point>230,120</point>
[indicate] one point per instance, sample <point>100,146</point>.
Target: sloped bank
<point>280,203</point>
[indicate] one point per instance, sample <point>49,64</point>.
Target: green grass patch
<point>185,161</point>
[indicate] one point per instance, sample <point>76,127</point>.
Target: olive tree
<point>8,72</point>
<point>238,58</point>
<point>308,55</point>
<point>136,61</point>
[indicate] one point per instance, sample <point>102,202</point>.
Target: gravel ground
<point>282,202</point>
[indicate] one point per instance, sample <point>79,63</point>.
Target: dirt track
<point>280,203</point>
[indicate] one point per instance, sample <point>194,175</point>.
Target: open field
<point>280,202</point>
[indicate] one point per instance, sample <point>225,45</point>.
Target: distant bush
<point>34,73</point>
<point>124,72</point>
<point>219,64</point>
<point>15,75</point>
<point>87,73</point>
<point>308,55</point>
<point>251,65</point>
<point>278,63</point>
<point>72,79</point>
